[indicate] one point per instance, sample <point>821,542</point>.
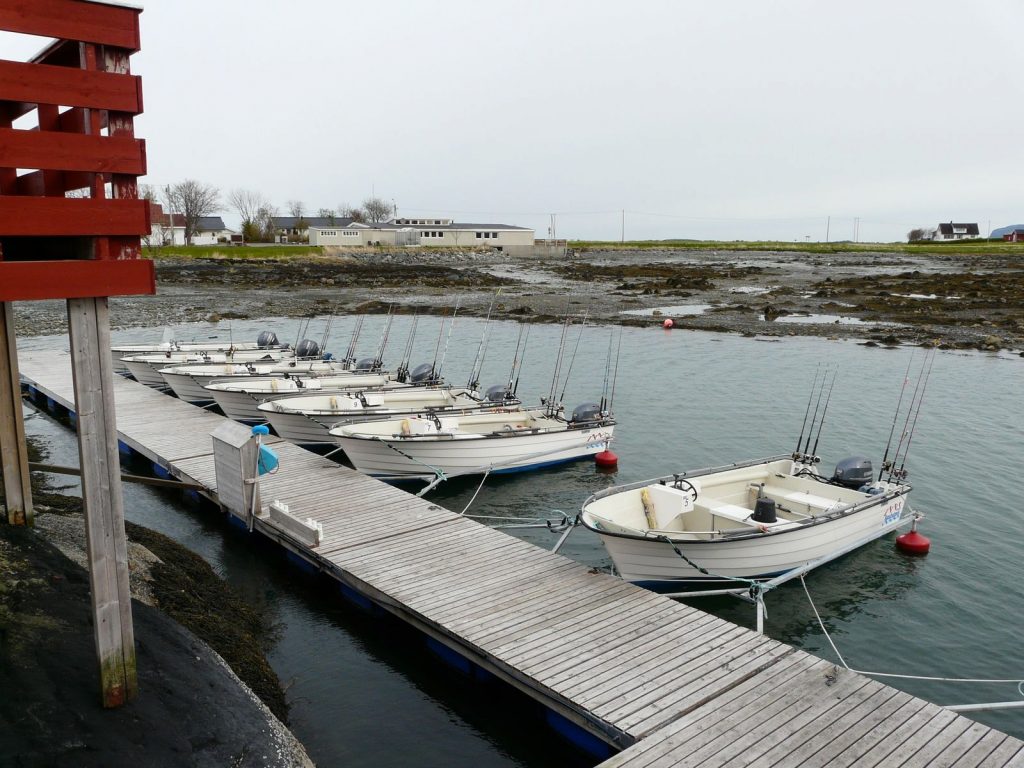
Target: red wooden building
<point>70,227</point>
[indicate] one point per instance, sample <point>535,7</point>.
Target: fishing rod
<point>515,358</point>
<point>300,332</point>
<point>906,422</point>
<point>378,361</point>
<point>607,372</point>
<point>572,360</point>
<point>901,473</point>
<point>558,363</point>
<point>481,349</point>
<point>515,388</point>
<point>403,367</point>
<point>814,451</point>
<point>447,341</point>
<point>350,353</point>
<point>895,417</point>
<point>326,334</point>
<point>807,412</point>
<point>615,375</point>
<point>817,405</point>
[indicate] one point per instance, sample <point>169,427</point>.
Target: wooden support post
<point>13,452</point>
<point>89,326</point>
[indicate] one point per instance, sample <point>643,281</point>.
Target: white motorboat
<point>265,340</point>
<point>146,368</point>
<point>188,381</point>
<point>754,520</point>
<point>240,398</point>
<point>425,447</point>
<point>308,419</point>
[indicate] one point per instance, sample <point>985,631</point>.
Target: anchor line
<point>821,625</point>
<point>756,587</point>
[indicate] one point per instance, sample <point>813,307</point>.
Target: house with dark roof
<point>424,232</point>
<point>954,231</point>
<point>169,229</point>
<point>296,228</point>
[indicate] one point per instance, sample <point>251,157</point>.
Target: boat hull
<point>415,459</point>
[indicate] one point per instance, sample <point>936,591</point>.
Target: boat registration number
<point>892,512</point>
<point>597,439</point>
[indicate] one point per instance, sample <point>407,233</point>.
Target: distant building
<point>424,232</point>
<point>1016,236</point>
<point>953,231</point>
<point>169,229</point>
<point>296,228</point>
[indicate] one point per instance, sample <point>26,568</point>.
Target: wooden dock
<point>665,683</point>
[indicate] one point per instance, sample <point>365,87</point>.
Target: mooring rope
<point>757,588</point>
<point>1018,681</point>
<point>482,481</point>
<point>438,472</point>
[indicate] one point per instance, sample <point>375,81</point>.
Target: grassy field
<point>233,251</point>
<point>981,247</point>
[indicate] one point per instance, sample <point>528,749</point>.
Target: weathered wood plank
<point>117,26</point>
<point>13,449</point>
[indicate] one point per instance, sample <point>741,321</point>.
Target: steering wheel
<point>686,487</point>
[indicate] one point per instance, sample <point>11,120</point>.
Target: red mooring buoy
<point>606,459</point>
<point>668,323</point>
<point>913,543</point>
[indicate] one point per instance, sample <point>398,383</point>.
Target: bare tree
<point>377,209</point>
<point>265,223</point>
<point>193,200</point>
<point>916,234</point>
<point>248,204</point>
<point>350,212</point>
<point>296,208</point>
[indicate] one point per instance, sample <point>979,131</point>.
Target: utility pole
<point>828,224</point>
<point>623,225</point>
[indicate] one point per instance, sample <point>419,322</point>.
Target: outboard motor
<point>853,472</point>
<point>307,348</point>
<point>764,510</point>
<point>497,394</point>
<point>586,412</point>
<point>266,339</point>
<point>366,364</point>
<point>421,373</point>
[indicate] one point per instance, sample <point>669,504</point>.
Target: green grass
<point>233,251</point>
<point>987,247</point>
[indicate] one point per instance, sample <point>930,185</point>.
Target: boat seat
<point>800,497</point>
<point>729,511</point>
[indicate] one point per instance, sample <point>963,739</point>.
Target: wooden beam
<point>51,150</point>
<point>47,84</point>
<point>37,280</point>
<point>70,217</point>
<point>13,451</point>
<point>106,544</point>
<point>73,20</point>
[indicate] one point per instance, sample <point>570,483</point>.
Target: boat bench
<point>800,497</point>
<point>728,511</point>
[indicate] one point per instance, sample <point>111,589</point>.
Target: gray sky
<point>705,120</point>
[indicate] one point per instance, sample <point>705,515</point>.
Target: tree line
<point>192,200</point>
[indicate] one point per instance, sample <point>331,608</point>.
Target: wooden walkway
<point>666,683</point>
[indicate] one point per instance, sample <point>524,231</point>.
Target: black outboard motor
<point>366,364</point>
<point>266,340</point>
<point>853,472</point>
<point>497,394</point>
<point>307,348</point>
<point>585,412</point>
<point>421,373</point>
<point>764,510</point>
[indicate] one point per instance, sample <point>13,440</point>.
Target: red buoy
<point>606,459</point>
<point>668,323</point>
<point>913,543</point>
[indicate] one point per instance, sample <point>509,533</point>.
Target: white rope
<point>1019,681</point>
<point>482,481</point>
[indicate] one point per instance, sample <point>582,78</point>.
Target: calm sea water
<point>683,400</point>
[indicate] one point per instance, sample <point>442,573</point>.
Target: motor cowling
<point>497,394</point>
<point>421,373</point>
<point>266,339</point>
<point>585,412</point>
<point>853,472</point>
<point>307,348</point>
<point>366,364</point>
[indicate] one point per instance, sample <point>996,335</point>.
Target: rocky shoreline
<point>952,300</point>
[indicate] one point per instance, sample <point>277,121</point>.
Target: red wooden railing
<point>84,99</point>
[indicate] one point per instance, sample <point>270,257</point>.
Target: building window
<point>479,235</point>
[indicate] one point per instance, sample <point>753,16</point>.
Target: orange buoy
<point>606,459</point>
<point>913,543</point>
<point>668,323</point>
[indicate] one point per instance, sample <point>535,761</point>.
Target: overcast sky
<point>704,120</point>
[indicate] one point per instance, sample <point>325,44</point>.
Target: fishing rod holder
<point>805,458</point>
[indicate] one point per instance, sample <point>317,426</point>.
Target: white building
<point>425,232</point>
